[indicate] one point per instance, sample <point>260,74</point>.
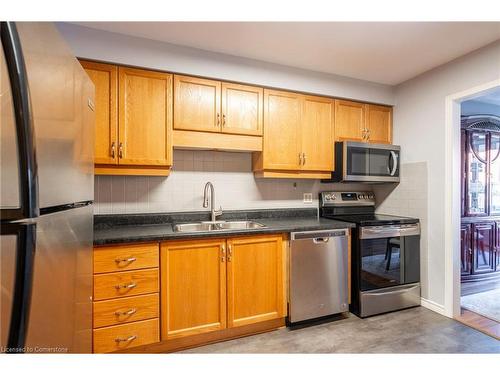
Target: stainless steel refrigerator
<point>46,193</point>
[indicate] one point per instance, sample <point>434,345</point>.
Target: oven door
<point>389,256</point>
<point>370,163</point>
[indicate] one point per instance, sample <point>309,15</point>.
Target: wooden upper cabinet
<point>242,111</point>
<point>145,117</point>
<point>193,292</point>
<point>254,279</point>
<point>282,130</point>
<point>105,79</point>
<point>197,104</point>
<point>362,122</point>
<point>317,133</point>
<point>379,124</point>
<point>349,121</point>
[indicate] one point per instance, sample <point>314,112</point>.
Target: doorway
<point>475,293</point>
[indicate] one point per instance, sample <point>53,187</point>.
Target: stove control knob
<point>333,196</point>
<point>361,196</point>
<point>371,196</point>
<point>328,197</point>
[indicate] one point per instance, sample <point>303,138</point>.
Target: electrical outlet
<point>308,198</point>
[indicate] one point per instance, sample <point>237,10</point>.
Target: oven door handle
<point>397,291</point>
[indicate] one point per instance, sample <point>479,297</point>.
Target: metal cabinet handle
<point>229,253</point>
<point>223,252</point>
<point>113,150</point>
<point>125,313</point>
<point>303,158</point>
<point>218,119</point>
<point>120,150</point>
<point>128,339</point>
<point>223,119</point>
<point>300,158</point>
<point>125,260</point>
<point>125,286</point>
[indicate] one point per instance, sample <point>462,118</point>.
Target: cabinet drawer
<point>126,336</point>
<point>124,284</point>
<point>125,258</point>
<point>125,310</point>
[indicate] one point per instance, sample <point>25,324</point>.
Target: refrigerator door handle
<point>28,178</point>
<point>23,285</point>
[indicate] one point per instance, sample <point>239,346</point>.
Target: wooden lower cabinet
<point>205,290</point>
<point>193,292</point>
<point>465,249</point>
<point>254,280</point>
<point>126,300</point>
<point>126,310</point>
<point>479,249</point>
<point>209,285</point>
<point>125,336</point>
<point>484,249</point>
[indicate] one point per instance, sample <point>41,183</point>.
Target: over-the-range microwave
<point>366,162</point>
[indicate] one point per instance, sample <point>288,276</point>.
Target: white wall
<point>419,119</point>
<point>119,48</point>
<point>231,174</point>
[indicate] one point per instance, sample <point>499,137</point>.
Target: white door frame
<point>452,195</point>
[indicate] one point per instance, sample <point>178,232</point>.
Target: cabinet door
<point>145,117</point>
<point>242,109</point>
<point>497,252</point>
<point>379,124</point>
<point>254,279</point>
<point>105,79</point>
<point>494,174</point>
<point>349,121</point>
<point>193,287</point>
<point>197,104</point>
<point>317,134</point>
<point>483,247</point>
<point>465,249</point>
<point>282,139</point>
<point>477,177</point>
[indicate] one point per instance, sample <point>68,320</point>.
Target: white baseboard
<point>432,306</point>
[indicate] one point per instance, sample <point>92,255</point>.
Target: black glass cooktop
<point>374,219</point>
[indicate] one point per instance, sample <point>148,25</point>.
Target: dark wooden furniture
<point>480,198</point>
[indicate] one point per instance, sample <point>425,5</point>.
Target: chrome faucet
<point>214,212</point>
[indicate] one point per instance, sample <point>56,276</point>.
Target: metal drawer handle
<point>125,260</point>
<point>321,240</point>
<point>125,286</point>
<point>128,339</point>
<point>113,150</point>
<point>126,313</point>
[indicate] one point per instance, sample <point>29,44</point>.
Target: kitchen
<point>212,202</point>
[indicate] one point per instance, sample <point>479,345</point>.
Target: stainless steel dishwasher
<point>318,274</point>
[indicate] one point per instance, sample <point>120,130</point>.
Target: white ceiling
<point>384,52</point>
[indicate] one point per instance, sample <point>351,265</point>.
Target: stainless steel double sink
<point>211,226</point>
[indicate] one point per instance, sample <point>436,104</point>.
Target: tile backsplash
<point>230,172</point>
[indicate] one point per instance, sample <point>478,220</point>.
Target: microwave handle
<point>394,157</point>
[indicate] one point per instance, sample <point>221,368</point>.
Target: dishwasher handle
<point>318,236</point>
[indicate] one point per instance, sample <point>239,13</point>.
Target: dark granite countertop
<point>113,229</point>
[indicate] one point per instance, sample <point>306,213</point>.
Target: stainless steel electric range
<point>385,253</point>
